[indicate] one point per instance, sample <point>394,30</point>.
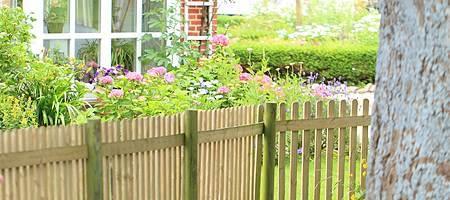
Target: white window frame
<point>36,9</point>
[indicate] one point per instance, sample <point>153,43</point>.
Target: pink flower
<point>1,179</point>
<point>106,80</point>
<point>220,40</point>
<point>245,77</point>
<point>266,80</point>
<point>116,93</point>
<point>223,90</point>
<point>169,77</point>
<point>157,71</point>
<point>134,76</point>
<point>321,90</point>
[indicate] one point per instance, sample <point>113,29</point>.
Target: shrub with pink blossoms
<point>245,77</point>
<point>105,80</point>
<point>220,40</point>
<point>116,93</point>
<point>134,76</point>
<point>169,77</point>
<point>223,90</point>
<point>157,71</point>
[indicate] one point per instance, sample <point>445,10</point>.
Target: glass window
<point>153,15</point>
<point>151,47</point>
<point>57,46</point>
<point>56,16</point>
<point>87,16</point>
<point>123,52</point>
<point>87,50</point>
<point>123,16</point>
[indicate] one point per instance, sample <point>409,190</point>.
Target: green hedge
<point>353,63</point>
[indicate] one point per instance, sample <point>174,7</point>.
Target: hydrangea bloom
<point>245,77</point>
<point>157,71</point>
<point>223,90</point>
<point>134,76</point>
<point>116,93</point>
<point>169,77</point>
<point>220,40</point>
<point>106,80</point>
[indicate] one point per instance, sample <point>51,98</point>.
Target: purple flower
<point>134,76</point>
<point>245,77</point>
<point>106,80</point>
<point>169,77</point>
<point>220,40</point>
<point>321,90</point>
<point>116,93</point>
<point>266,80</point>
<point>157,71</point>
<point>223,90</point>
<point>300,151</point>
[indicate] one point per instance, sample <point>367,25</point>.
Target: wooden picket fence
<point>219,154</point>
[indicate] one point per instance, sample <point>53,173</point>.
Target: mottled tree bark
<point>410,145</point>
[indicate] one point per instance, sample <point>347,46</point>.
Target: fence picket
<point>329,156</point>
<point>305,154</point>
<point>281,155</point>
<point>294,159</point>
<point>364,147</point>
<point>317,152</point>
<point>353,152</point>
<point>341,152</point>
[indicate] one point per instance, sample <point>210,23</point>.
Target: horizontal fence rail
<point>296,152</point>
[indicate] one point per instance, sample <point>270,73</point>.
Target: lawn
<point>323,178</point>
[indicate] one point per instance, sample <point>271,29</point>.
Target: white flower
<point>218,96</point>
<point>203,91</point>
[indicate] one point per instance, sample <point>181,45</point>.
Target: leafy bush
<point>46,92</point>
<point>353,63</point>
<point>15,39</point>
<point>16,112</point>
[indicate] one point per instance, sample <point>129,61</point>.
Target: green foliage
<point>123,53</point>
<point>35,92</point>
<point>179,48</point>
<point>256,27</point>
<point>16,112</point>
<point>58,97</point>
<point>353,63</point>
<point>152,96</point>
<point>15,37</point>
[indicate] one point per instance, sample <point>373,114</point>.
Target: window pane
<point>123,16</point>
<point>57,47</point>
<point>87,16</point>
<point>123,52</point>
<point>87,50</point>
<point>56,18</point>
<point>153,15</point>
<point>150,48</point>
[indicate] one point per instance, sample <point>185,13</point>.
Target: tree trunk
<point>410,146</point>
<point>298,13</point>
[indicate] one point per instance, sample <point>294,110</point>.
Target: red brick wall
<point>195,20</point>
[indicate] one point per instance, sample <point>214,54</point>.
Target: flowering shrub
<point>133,95</point>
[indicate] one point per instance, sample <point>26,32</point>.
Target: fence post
<point>190,155</point>
<point>268,168</point>
<point>94,174</point>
